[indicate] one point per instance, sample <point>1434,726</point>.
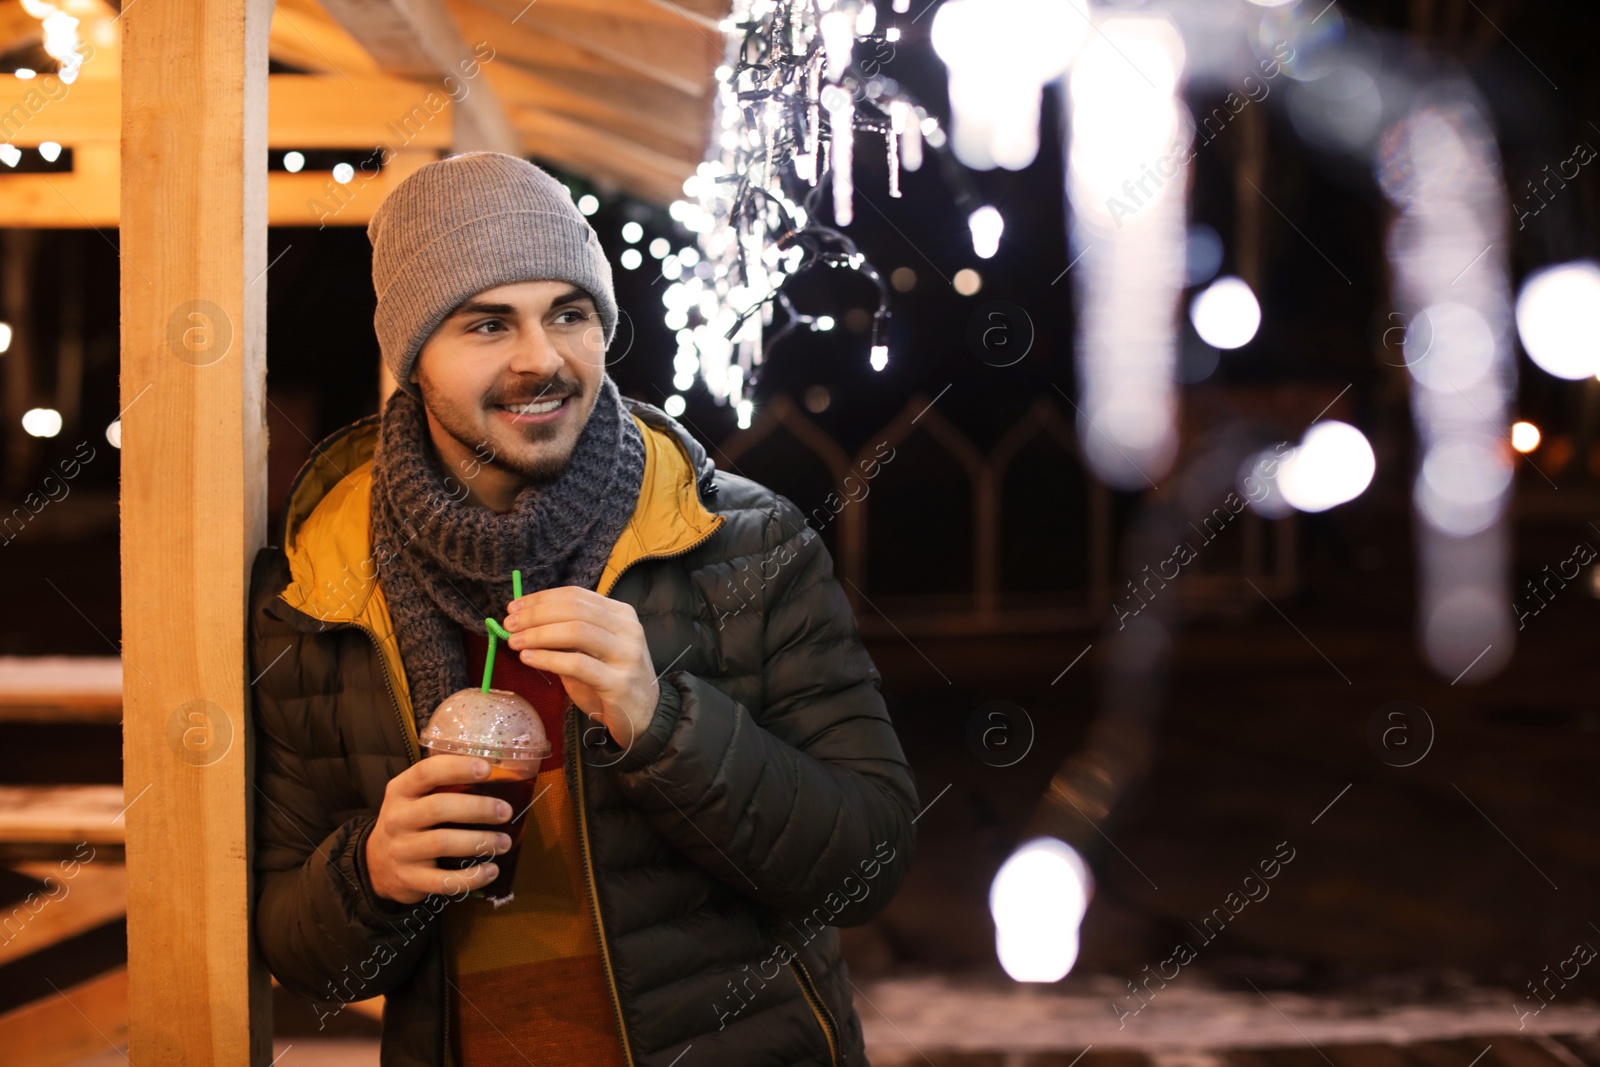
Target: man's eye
<point>571,315</point>
<point>487,322</point>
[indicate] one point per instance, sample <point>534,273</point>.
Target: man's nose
<point>535,355</point>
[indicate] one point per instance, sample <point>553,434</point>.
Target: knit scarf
<point>445,563</point>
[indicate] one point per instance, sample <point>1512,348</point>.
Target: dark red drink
<point>518,792</point>
<point>503,728</point>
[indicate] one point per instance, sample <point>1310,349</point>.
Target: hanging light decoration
<point>790,100</point>
<point>1440,167</point>
<point>1001,54</point>
<point>1125,110</point>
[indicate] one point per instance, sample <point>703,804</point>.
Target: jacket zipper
<point>813,999</point>
<point>394,699</point>
<point>575,758</point>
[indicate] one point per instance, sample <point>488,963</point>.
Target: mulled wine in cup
<point>501,727</point>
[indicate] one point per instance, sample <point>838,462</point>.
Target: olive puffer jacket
<point>768,803</point>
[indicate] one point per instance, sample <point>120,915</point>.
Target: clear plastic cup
<point>503,728</point>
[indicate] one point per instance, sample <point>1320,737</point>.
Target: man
<point>725,788</point>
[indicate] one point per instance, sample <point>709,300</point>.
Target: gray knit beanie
<point>467,223</point>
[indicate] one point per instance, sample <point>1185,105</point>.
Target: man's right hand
<point>406,840</point>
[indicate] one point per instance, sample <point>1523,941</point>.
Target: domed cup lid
<point>497,725</point>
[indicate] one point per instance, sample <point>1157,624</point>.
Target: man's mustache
<point>555,389</point>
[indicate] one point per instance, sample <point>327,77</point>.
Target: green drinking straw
<point>495,630</point>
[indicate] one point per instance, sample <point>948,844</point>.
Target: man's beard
<point>539,466</point>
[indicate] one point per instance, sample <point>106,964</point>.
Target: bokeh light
<point>1558,318</point>
<point>1038,899</point>
<point>1333,464</point>
<point>1226,314</point>
<point>41,422</point>
<point>1525,436</point>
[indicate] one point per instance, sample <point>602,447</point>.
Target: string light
<point>789,104</point>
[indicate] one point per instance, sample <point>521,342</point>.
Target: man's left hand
<point>597,647</point>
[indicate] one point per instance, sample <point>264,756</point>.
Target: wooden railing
<point>1034,552</point>
<point>69,840</point>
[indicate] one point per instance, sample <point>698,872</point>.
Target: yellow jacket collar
<point>328,530</point>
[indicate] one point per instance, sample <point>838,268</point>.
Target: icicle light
<point>789,101</point>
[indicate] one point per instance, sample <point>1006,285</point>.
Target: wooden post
<point>194,286</point>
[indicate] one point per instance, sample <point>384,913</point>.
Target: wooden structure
<point>617,90</point>
<point>170,131</point>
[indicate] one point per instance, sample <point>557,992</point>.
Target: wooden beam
<point>193,394</point>
<point>538,49</point>
<point>654,117</point>
<point>74,897</point>
<point>708,12</point>
<point>303,111</point>
<point>89,198</point>
<point>61,814</point>
<point>418,39</point>
<point>305,36</point>
<point>571,143</point>
<point>362,110</point>
<point>74,1024</point>
<point>678,54</point>
<point>705,13</point>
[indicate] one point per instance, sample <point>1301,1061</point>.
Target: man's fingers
<point>437,808</point>
<point>426,775</point>
<point>573,636</point>
<point>561,594</point>
<point>453,883</point>
<point>480,845</point>
<point>567,603</point>
<point>590,671</point>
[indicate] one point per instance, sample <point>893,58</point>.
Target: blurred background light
<point>1126,177</point>
<point>967,281</point>
<point>1226,314</point>
<point>41,422</point>
<point>632,232</point>
<point>1462,483</point>
<point>1202,254</point>
<point>1038,899</point>
<point>1558,319</point>
<point>1258,483</point>
<point>588,203</point>
<point>1525,436</point>
<point>1451,289</point>
<point>1000,54</point>
<point>986,226</point>
<point>1333,464</point>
